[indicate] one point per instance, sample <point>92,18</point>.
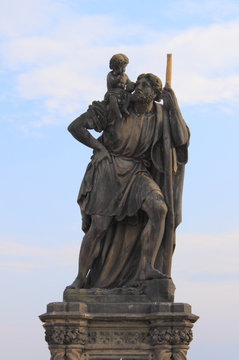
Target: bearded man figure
<point>131,194</point>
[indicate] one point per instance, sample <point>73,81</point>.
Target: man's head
<point>118,62</point>
<point>148,88</point>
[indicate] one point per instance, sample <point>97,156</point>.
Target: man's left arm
<point>179,130</point>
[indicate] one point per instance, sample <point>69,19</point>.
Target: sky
<point>54,59</point>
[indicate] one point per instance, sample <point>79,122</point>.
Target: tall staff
<point>169,70</point>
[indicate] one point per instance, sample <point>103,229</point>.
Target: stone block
<point>127,331</point>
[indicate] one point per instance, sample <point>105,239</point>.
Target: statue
<point>121,304</point>
<point>130,197</point>
<point>119,86</point>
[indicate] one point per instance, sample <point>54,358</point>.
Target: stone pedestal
<point>126,324</point>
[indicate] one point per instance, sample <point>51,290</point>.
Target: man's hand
<point>167,96</point>
<point>130,87</point>
<point>100,155</point>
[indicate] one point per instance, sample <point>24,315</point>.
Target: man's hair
<point>117,60</point>
<point>155,82</point>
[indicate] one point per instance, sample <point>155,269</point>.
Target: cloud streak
<point>208,257</point>
<point>66,70</point>
<point>21,257</point>
<point>193,252</point>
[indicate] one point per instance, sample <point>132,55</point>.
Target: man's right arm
<point>79,130</point>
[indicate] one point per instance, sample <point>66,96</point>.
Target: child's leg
<point>114,107</point>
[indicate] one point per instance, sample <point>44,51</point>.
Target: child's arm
<point>112,80</point>
<point>130,85</point>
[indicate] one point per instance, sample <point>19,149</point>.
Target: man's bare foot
<point>150,273</point>
<point>77,284</point>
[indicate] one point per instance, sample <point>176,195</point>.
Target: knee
<point>160,208</point>
<point>163,208</point>
<point>157,208</point>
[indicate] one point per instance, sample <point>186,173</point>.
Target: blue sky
<point>54,60</point>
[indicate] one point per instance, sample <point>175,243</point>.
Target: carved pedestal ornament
<point>57,353</point>
<point>171,343</point>
<point>135,330</point>
<point>65,335</point>
<point>178,336</point>
<point>121,304</point>
<point>65,353</point>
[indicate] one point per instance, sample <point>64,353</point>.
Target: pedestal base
<point>118,329</point>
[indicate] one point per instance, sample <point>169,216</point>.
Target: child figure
<point>119,86</point>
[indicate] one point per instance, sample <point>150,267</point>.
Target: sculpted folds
<point>130,196</point>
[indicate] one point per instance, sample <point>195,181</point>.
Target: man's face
<point>144,91</point>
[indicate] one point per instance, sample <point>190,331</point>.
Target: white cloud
<point>198,257</point>
<point>66,69</point>
<point>17,266</point>
<point>21,257</point>
<point>216,10</point>
<point>205,62</point>
<point>24,17</point>
<point>206,274</point>
<point>215,304</point>
<point>214,255</point>
<point>207,258</point>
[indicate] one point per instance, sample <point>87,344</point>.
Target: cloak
<point>121,246</point>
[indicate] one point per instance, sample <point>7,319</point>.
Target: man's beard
<point>141,97</point>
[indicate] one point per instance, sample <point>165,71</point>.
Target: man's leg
<point>151,238</point>
<point>90,247</point>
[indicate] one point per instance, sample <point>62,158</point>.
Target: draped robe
<point>148,154</point>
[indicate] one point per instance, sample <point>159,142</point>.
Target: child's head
<point>118,63</point>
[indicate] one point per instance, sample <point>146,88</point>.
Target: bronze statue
<point>130,197</point>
